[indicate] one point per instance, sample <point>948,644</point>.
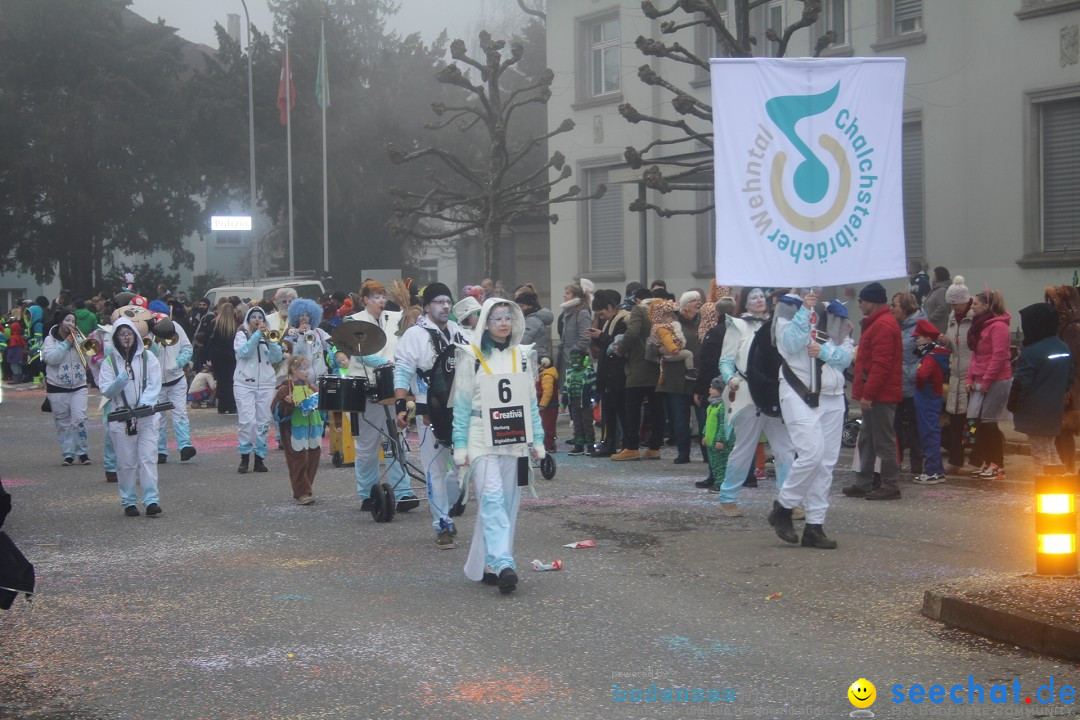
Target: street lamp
<point>251,149</point>
<point>1055,523</point>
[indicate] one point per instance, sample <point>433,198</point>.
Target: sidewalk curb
<point>1017,627</point>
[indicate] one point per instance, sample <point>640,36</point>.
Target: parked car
<point>265,289</point>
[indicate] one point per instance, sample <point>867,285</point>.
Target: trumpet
<point>146,342</point>
<point>169,341</point>
<point>310,337</point>
<point>273,336</point>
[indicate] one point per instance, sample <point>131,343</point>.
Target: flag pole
<point>323,101</point>
<point>288,145</point>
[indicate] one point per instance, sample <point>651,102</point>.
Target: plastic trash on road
<point>539,566</point>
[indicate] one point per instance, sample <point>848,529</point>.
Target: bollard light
<point>1055,523</point>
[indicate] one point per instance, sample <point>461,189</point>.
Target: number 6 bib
<point>505,407</point>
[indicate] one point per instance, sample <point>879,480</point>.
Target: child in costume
<point>300,427</point>
<point>715,439</point>
<point>203,388</point>
<point>668,336</point>
<point>495,411</point>
<point>546,389</point>
<point>578,392</point>
<point>931,376</point>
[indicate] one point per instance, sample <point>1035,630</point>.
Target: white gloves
<point>538,449</point>
<point>461,456</point>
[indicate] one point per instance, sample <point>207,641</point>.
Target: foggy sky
<point>195,19</point>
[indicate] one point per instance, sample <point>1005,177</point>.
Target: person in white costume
<point>368,441</point>
<point>496,424</point>
<point>65,387</point>
<point>254,384</point>
<point>131,377</point>
<point>173,358</point>
<point>413,361</point>
<point>812,402</point>
<point>743,417</point>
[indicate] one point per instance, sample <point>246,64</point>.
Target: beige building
<point>991,135</point>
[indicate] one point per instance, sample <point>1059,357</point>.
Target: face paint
<point>256,317</point>
<point>755,301</point>
<point>125,336</point>
<point>500,315</point>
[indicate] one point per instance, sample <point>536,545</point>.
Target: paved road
<point>238,604</point>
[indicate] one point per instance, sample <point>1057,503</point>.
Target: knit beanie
<point>434,290</point>
<point>958,292</point>
<point>717,383</point>
<point>874,293</point>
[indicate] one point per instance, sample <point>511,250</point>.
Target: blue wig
<point>303,306</point>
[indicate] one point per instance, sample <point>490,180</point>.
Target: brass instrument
<point>84,346</point>
<point>146,342</point>
<point>169,341</point>
<point>311,338</point>
<point>273,336</point>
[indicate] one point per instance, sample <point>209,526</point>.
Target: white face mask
<point>755,301</point>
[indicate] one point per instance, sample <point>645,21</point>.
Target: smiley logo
<point>862,693</point>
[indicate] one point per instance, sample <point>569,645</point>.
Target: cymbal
<point>357,337</point>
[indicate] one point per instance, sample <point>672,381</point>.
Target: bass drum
<point>342,394</point>
<point>384,385</point>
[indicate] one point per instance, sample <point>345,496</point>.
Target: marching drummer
<point>416,352</point>
<point>131,378</point>
<point>367,441</point>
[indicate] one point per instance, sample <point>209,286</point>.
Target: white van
<point>309,288</point>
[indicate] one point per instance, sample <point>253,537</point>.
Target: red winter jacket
<point>879,360</point>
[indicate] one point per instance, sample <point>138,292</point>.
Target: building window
<point>914,203</point>
<point>1059,175</point>
<point>774,18</point>
<point>228,238</point>
<point>907,16</point>
<point>706,236</point>
<point>604,60</point>
<point>836,19</point>
<point>604,224</point>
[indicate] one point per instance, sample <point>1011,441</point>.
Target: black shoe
<point>883,494</point>
<point>457,509</point>
<point>131,511</point>
<point>68,461</point>
<point>110,476</point>
<point>507,581</point>
<point>814,536</point>
<point>681,460</point>
<point>84,459</point>
<point>705,484</point>
<point>853,491</point>
<point>153,509</point>
<point>603,450</point>
<point>569,442</point>
<point>162,458</point>
<point>407,503</point>
<point>751,483</point>
<point>259,466</point>
<point>365,506</point>
<point>244,460</point>
<point>186,454</point>
<point>577,450</point>
<point>489,579</point>
<point>780,519</point>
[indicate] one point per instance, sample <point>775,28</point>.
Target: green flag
<point>322,80</point>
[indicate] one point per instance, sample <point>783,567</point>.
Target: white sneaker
<point>926,479</point>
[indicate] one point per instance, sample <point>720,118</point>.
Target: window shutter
<point>914,230</point>
<point>605,225</point>
<point>1060,157</point>
<point>906,9</point>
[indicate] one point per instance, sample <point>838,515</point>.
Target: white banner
<point>808,170</point>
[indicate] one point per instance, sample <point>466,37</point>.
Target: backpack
<point>440,381</point>
<point>763,371</point>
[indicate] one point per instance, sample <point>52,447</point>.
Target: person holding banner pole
<point>812,402</point>
<point>744,420</point>
<point>496,422</point>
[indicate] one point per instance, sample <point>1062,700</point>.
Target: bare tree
<point>505,180</point>
<point>692,170</point>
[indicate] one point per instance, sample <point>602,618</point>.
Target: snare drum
<point>342,394</point>
<point>384,384</point>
